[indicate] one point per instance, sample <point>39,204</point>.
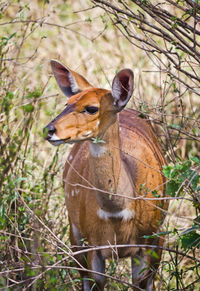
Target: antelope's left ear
<point>122,88</point>
<point>69,81</point>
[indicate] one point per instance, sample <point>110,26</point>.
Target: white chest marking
<point>97,150</point>
<point>125,214</point>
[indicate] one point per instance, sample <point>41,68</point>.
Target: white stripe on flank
<point>125,214</point>
<point>76,190</point>
<point>70,157</point>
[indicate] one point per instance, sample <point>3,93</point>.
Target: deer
<point>110,178</point>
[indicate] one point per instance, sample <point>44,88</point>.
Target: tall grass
<point>34,247</point>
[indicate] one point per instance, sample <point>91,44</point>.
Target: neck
<point>105,166</point>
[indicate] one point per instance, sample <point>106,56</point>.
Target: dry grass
<point>85,40</point>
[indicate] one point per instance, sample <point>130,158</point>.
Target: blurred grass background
<point>34,229</point>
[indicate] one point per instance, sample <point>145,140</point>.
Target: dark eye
<point>91,109</point>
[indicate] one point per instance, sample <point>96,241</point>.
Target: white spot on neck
<point>125,214</point>
<point>70,157</point>
<point>97,150</point>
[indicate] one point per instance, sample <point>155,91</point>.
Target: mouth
<point>57,142</point>
<point>54,140</point>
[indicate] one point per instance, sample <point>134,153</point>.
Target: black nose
<point>49,130</point>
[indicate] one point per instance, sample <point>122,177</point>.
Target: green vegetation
<point>34,233</point>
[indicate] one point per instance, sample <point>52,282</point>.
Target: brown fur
<point>138,146</point>
<point>109,175</point>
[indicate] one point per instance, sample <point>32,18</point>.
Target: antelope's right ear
<point>122,88</point>
<point>69,81</point>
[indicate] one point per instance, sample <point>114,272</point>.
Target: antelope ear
<point>122,88</point>
<point>69,81</point>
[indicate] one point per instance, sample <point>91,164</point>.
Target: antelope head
<point>89,111</point>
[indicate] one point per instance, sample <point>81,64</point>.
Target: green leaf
<point>63,274</point>
<point>28,108</point>
<point>45,132</point>
<point>195,160</point>
<point>152,253</point>
<point>162,233</point>
<point>10,95</point>
<point>176,126</point>
<point>172,188</point>
<point>97,140</point>
<point>190,240</point>
<point>193,228</point>
<point>88,19</point>
<point>142,270</point>
<point>155,194</point>
<point>167,170</point>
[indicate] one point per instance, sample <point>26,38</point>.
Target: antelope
<point>115,160</point>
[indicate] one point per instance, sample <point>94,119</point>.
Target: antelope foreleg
<point>142,274</point>
<point>96,263</point>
